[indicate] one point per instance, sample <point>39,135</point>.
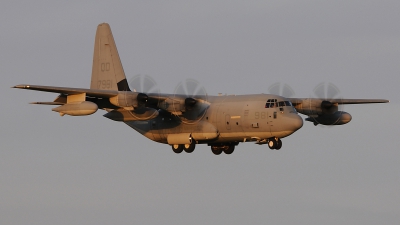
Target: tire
<point>272,143</point>
<point>216,150</point>
<point>229,150</point>
<point>189,148</point>
<point>177,148</point>
<point>278,144</point>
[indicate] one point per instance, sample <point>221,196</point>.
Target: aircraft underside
<point>224,139</point>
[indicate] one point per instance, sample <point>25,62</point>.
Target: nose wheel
<point>274,143</point>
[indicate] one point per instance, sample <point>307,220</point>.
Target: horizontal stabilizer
<point>47,103</point>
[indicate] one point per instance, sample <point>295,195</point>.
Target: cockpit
<point>273,103</point>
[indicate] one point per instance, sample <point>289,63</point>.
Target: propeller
<point>280,89</point>
<point>192,104</point>
<point>144,84</point>
<point>326,91</point>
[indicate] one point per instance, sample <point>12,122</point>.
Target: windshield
<point>272,103</point>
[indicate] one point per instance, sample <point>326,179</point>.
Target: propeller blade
<point>281,89</point>
<point>143,84</point>
<point>194,105</point>
<point>332,91</point>
<point>319,91</point>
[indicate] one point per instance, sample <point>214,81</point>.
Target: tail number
<point>257,115</point>
<point>104,84</point>
<point>105,67</point>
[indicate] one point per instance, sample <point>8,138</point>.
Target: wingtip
<point>21,86</point>
<point>385,101</point>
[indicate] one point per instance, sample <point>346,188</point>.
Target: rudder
<point>107,71</point>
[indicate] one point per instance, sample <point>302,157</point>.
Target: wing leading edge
<point>70,91</point>
<point>339,101</point>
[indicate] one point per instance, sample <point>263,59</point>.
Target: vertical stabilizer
<point>107,71</point>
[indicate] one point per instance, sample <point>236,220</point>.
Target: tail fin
<point>107,71</point>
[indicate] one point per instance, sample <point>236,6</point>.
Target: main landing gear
<point>274,143</point>
<point>188,148</point>
<point>218,149</point>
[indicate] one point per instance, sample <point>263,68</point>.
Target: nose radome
<point>297,122</point>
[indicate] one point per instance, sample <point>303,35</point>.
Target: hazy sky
<point>91,170</point>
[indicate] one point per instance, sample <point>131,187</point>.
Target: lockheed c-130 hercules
<point>180,121</point>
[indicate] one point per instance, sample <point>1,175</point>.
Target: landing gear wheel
<point>279,144</point>
<point>177,148</point>
<point>216,150</point>
<point>229,150</point>
<point>189,148</point>
<point>272,143</point>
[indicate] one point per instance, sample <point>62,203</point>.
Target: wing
<point>121,105</point>
<point>296,101</point>
<point>325,111</point>
<point>70,91</point>
<point>82,102</point>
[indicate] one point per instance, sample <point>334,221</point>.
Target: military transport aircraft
<point>181,121</point>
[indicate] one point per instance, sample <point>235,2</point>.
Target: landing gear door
<point>270,121</point>
<point>272,114</point>
<point>272,117</point>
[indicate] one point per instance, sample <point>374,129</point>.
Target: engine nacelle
<point>129,99</point>
<point>312,106</point>
<point>77,108</point>
<point>138,114</point>
<point>337,118</point>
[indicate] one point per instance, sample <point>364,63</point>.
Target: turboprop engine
<point>138,114</point>
<point>323,112</point>
<point>337,118</point>
<point>129,99</point>
<point>83,108</point>
<point>132,107</point>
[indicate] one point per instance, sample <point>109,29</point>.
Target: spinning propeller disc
<point>195,101</point>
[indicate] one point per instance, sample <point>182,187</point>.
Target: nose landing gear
<point>274,143</point>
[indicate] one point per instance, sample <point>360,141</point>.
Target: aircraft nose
<point>296,122</point>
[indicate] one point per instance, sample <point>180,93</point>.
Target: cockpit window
<point>272,103</point>
<point>286,103</point>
